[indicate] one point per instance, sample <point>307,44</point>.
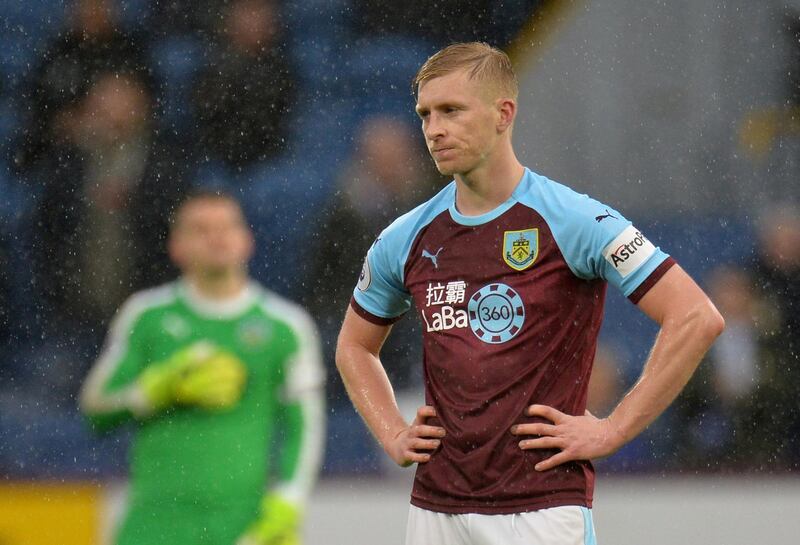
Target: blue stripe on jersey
<point>583,228</point>
<point>386,295</point>
<point>589,537</point>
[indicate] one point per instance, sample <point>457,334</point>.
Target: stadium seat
<point>176,61</point>
<point>28,26</point>
<point>380,71</point>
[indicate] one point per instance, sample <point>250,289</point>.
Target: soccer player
<point>508,270</point>
<point>212,369</point>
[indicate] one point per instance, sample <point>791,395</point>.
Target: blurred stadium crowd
<point>111,110</point>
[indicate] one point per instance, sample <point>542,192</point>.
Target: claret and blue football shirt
<point>511,304</point>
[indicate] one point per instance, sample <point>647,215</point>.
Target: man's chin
<point>445,169</point>
<point>216,270</point>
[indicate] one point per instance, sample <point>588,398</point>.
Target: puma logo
<point>608,214</point>
<point>433,257</point>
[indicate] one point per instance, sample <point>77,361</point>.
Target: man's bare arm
<point>689,324</point>
<point>357,358</point>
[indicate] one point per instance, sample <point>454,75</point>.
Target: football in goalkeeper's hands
<point>200,374</point>
<point>216,382</point>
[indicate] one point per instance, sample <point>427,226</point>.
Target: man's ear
<point>507,110</point>
<point>251,244</point>
<point>174,250</point>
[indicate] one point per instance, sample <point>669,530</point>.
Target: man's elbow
<point>345,356</point>
<point>340,357</point>
<point>711,323</point>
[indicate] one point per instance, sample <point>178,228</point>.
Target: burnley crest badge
<point>520,248</point>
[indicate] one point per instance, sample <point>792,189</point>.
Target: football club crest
<point>176,326</point>
<point>520,248</point>
<point>254,334</point>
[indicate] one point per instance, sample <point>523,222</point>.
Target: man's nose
<point>434,128</point>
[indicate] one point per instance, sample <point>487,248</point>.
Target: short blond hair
<point>486,64</point>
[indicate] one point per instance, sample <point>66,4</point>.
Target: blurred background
<point>684,115</point>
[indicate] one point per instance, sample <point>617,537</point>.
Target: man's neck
<point>486,188</point>
<point>222,286</point>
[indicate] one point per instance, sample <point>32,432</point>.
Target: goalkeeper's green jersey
<point>200,457</point>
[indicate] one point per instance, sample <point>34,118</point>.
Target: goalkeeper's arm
<point>109,395</point>
<point>200,375</point>
<point>282,509</point>
<point>303,431</point>
<point>123,384</point>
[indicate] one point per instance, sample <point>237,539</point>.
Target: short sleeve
<point>630,260</point>
<point>380,295</point>
<point>305,370</point>
<point>620,253</point>
<point>597,241</point>
<point>109,394</point>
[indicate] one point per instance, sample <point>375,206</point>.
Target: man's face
<point>459,121</point>
<point>115,108</point>
<point>210,237</point>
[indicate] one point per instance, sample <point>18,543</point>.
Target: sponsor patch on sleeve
<point>365,278</point>
<point>628,251</point>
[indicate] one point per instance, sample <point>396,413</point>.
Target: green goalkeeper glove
<point>200,374</point>
<point>278,524</point>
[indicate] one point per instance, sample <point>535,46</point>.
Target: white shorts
<point>568,525</point>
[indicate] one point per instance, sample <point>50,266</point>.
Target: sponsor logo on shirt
<point>439,313</point>
<point>601,217</point>
<point>628,251</point>
<point>451,293</point>
<point>520,248</point>
<point>433,257</point>
<point>444,318</point>
<point>496,313</point>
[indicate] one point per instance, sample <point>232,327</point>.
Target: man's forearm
<point>689,324</point>
<point>679,347</point>
<point>370,391</point>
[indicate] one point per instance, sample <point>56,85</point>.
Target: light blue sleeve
<point>380,290</point>
<point>595,240</point>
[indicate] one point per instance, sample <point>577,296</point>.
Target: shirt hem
<point>504,508</point>
<point>368,316</point>
<point>651,280</point>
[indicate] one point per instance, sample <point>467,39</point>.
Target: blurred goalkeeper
<point>223,381</point>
